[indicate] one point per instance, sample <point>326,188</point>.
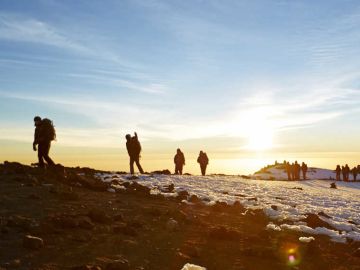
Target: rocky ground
<point>66,219</point>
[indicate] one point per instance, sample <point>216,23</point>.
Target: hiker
<point>288,169</point>
<point>297,170</point>
<point>347,172</point>
<point>179,161</point>
<point>292,169</point>
<point>354,172</point>
<point>44,134</point>
<point>203,160</point>
<point>343,173</point>
<point>133,147</point>
<point>338,173</point>
<point>304,169</point>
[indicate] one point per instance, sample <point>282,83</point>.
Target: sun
<point>260,140</point>
<point>258,132</point>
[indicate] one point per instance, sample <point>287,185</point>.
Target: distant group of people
<point>345,172</point>
<point>294,170</point>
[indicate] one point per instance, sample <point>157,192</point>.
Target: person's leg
<point>132,165</point>
<point>180,170</point>
<point>40,156</point>
<point>49,161</point>
<point>137,161</point>
<point>203,169</point>
<point>176,169</point>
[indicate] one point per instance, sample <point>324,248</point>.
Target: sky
<point>248,82</point>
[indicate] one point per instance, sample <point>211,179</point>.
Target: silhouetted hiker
<point>304,169</point>
<point>347,172</point>
<point>343,173</point>
<point>288,169</point>
<point>179,161</point>
<point>338,173</point>
<point>292,168</point>
<point>44,134</point>
<point>203,160</point>
<point>133,147</point>
<point>297,170</point>
<point>354,172</point>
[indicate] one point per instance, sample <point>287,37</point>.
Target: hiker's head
<point>37,120</point>
<point>201,152</point>
<point>178,150</point>
<point>128,137</point>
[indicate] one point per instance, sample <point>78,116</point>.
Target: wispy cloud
<point>19,28</point>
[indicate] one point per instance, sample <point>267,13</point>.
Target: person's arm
<point>36,137</point>
<point>136,136</point>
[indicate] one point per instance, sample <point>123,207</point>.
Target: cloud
<point>22,29</point>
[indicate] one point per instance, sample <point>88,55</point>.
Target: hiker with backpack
<point>179,161</point>
<point>44,134</point>
<point>203,160</point>
<point>133,147</point>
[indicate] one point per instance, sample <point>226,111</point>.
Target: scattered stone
<point>165,172</point>
<point>89,182</point>
<point>222,233</point>
<point>32,242</point>
<point>118,264</point>
<point>20,222</point>
<point>356,253</point>
<point>99,216</point>
<point>314,221</point>
<point>172,225</point>
<point>85,223</point>
<point>168,189</point>
<point>182,195</point>
<point>133,177</point>
<point>298,188</point>
<point>34,197</point>
<point>274,207</point>
<point>118,217</point>
<point>323,214</point>
<point>252,199</point>
<point>194,199</point>
<point>125,184</point>
<point>333,185</point>
<point>66,222</point>
<point>126,230</point>
<point>136,187</point>
<point>220,206</point>
<point>86,267</point>
<point>15,263</point>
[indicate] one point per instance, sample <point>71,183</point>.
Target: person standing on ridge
<point>133,147</point>
<point>179,161</point>
<point>304,169</point>
<point>44,134</point>
<point>297,170</point>
<point>347,172</point>
<point>203,160</point>
<point>292,168</point>
<point>288,169</point>
<point>343,170</point>
<point>338,173</point>
<point>354,172</point>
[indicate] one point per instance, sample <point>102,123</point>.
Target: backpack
<point>136,145</point>
<point>48,129</point>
